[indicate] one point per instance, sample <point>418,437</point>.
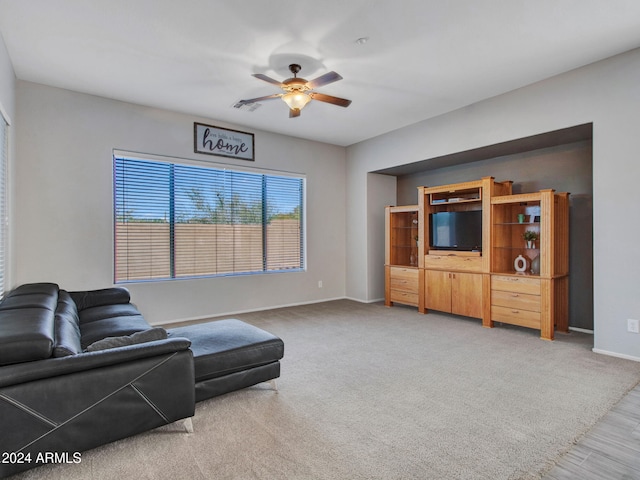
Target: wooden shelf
<point>530,299</point>
<point>483,284</point>
<point>518,274</point>
<point>402,276</point>
<point>455,197</point>
<point>402,225</point>
<point>514,225</point>
<point>455,253</point>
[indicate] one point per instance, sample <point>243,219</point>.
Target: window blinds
<point>180,221</point>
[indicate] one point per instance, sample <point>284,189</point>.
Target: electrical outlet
<point>633,325</point>
<point>319,283</point>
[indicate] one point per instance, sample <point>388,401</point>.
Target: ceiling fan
<point>298,91</point>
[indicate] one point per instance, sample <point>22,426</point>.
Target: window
<point>4,155</point>
<point>181,221</point>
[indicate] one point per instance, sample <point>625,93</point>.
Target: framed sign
<point>222,142</point>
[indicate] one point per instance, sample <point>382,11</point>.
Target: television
<point>460,231</point>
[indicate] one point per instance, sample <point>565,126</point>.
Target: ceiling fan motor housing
<point>295,84</point>
<point>294,68</point>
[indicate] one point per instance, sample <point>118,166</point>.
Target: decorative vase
<point>531,244</point>
<point>520,264</point>
<point>535,265</point>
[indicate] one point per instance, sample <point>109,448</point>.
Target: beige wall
<point>64,203</point>
<point>607,94</point>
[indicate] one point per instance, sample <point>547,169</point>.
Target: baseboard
<point>581,330</point>
<point>239,312</point>
<point>359,300</point>
<point>617,355</point>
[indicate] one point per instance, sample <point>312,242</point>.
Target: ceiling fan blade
<point>325,79</point>
<point>254,100</point>
<point>341,102</point>
<point>294,112</point>
<point>267,79</point>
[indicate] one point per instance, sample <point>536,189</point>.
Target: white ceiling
<point>423,57</point>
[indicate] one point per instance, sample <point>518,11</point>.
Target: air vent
<point>247,107</point>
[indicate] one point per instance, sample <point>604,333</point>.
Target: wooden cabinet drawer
<point>514,300</point>
<point>515,316</point>
<point>403,283</point>
<point>516,284</point>
<point>453,262</point>
<point>404,297</point>
<point>405,279</point>
<point>401,272</point>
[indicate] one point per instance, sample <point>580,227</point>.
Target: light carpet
<point>370,392</point>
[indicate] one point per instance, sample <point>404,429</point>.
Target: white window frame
<point>4,187</point>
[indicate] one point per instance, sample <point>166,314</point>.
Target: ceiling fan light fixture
<point>296,100</point>
<point>298,91</point>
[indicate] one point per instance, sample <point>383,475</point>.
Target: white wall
<point>606,93</point>
<point>64,203</point>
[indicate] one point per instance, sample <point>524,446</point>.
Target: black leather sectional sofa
<point>80,369</point>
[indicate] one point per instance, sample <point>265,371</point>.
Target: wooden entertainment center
<point>481,281</point>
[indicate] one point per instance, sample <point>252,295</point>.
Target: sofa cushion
<point>144,336</point>
<point>92,314</point>
<point>26,334</point>
<point>31,288</point>
<point>27,323</point>
<point>48,301</point>
<point>96,298</point>
<point>66,327</point>
<point>111,327</point>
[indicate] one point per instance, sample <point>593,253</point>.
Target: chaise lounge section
<point>229,355</point>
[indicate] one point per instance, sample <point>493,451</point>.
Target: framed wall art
<point>223,142</point>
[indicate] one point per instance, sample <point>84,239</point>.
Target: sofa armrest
<point>89,399</point>
<point>52,367</point>
<point>96,298</point>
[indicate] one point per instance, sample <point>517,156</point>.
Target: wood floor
<point>610,451</point>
